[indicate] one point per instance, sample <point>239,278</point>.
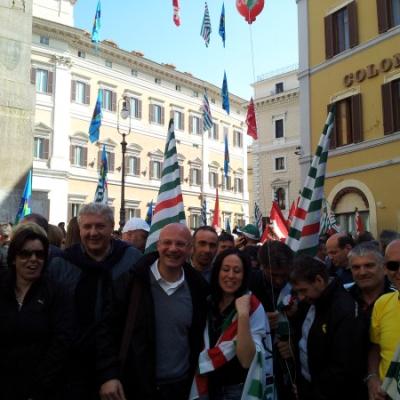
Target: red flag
<point>278,221</point>
<point>215,221</point>
<point>359,223</point>
<point>292,211</point>
<point>177,19</point>
<point>251,120</point>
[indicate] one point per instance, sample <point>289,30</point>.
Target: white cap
<point>135,224</point>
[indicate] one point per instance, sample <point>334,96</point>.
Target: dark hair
<point>365,237</point>
<point>226,237</point>
<point>20,237</point>
<point>55,235</point>
<point>251,252</point>
<point>386,237</point>
<point>38,219</point>
<point>307,268</point>
<point>204,228</point>
<point>216,291</point>
<point>73,235</point>
<point>275,254</point>
<point>344,240</point>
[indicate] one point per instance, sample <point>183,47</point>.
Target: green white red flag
<point>169,207</point>
<point>304,228</point>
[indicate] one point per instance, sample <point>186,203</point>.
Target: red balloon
<point>250,9</point>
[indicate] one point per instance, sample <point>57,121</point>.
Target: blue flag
<point>24,208</point>
<point>95,124</point>
<point>228,227</point>
<point>222,24</point>
<point>149,215</point>
<point>101,195</point>
<point>226,156</point>
<point>96,24</point>
<point>225,94</point>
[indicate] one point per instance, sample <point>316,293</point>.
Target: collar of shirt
<point>168,287</point>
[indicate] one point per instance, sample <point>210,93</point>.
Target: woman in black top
<point>36,321</point>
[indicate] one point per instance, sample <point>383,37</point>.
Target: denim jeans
<point>229,392</point>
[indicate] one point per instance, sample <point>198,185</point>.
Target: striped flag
<point>101,195</point>
<point>391,383</point>
<point>258,219</point>
<point>251,120</point>
<point>225,94</point>
<point>169,207</point>
<point>215,221</point>
<point>207,117</point>
<point>97,24</point>
<point>177,18</point>
<point>204,213</point>
<point>328,221</point>
<point>226,156</point>
<point>24,208</point>
<point>206,26</point>
<point>304,229</point>
<point>95,123</point>
<point>278,222</point>
<point>222,24</point>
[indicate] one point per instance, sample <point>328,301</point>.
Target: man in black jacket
<point>148,345</point>
<point>328,336</point>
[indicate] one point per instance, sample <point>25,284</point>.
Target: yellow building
<point>68,72</point>
<point>350,56</point>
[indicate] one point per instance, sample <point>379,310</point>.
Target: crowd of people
<point>88,315</point>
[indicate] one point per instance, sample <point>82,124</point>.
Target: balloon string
<point>252,54</point>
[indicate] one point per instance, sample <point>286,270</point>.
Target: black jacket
<point>138,373</point>
<point>334,347</point>
<point>34,340</point>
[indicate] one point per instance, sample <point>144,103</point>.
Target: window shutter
<point>33,75</point>
<point>46,146</point>
<point>387,108</point>
<point>383,15</point>
<point>182,120</point>
<point>87,94</point>
<point>190,123</point>
<point>71,154</point>
<point>353,23</point>
<point>50,82</point>
<point>171,115</point>
<point>332,142</point>
<point>127,171</point>
<point>137,172</point>
<point>73,90</point>
<point>356,113</point>
<point>151,170</point>
<point>99,160</point>
<point>138,109</point>
<point>113,101</point>
<point>329,36</point>
<point>151,113</point>
<point>201,126</point>
<point>111,162</point>
<point>84,154</point>
<point>191,176</point>
<point>216,131</point>
<point>162,115</point>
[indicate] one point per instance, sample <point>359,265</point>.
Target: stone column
<point>17,98</point>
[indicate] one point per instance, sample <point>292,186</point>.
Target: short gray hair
<point>97,208</point>
<point>366,249</point>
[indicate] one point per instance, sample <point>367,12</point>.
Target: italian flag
<point>304,228</point>
<point>169,207</point>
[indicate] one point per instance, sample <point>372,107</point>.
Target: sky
<point>147,26</point>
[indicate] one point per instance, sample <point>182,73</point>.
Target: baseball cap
<point>135,224</point>
<point>250,231</point>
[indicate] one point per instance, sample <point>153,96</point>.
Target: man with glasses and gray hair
<point>89,268</point>
<point>385,326</point>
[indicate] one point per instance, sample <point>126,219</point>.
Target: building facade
<point>275,155</point>
<point>68,73</point>
<point>349,57</point>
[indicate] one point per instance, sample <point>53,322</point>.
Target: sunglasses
<point>393,265</point>
<point>26,254</point>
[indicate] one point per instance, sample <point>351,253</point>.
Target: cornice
<point>280,98</point>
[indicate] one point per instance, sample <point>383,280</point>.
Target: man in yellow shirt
<point>385,326</point>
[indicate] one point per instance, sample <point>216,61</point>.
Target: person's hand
<point>112,390</point>
<point>242,305</point>
<point>273,320</point>
<point>241,242</point>
<point>284,349</point>
<point>375,391</point>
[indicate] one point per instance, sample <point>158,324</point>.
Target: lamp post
<point>124,113</point>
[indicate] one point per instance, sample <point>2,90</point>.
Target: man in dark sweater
<point>149,343</point>
<point>88,269</point>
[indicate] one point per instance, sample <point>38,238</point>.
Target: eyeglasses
<point>393,265</point>
<point>26,254</point>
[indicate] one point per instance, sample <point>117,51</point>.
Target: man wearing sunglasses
<point>385,326</point>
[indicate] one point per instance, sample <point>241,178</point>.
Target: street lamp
<point>124,107</point>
